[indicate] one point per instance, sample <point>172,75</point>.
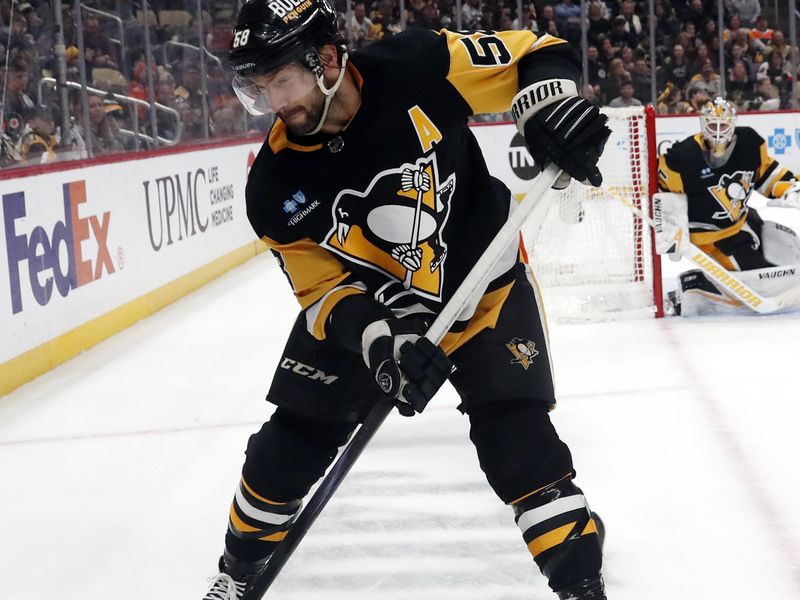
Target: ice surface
<point>117,469</point>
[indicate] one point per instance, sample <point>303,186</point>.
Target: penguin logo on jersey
<point>395,226</point>
<point>732,193</point>
<point>524,352</point>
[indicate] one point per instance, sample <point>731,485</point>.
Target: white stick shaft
<point>537,200</point>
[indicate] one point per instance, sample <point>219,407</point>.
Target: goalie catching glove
<point>789,199</point>
<point>560,126</point>
<point>406,365</point>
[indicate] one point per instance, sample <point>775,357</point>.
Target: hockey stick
<point>732,285</point>
<point>536,203</point>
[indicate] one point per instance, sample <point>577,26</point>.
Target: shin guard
<point>560,533</point>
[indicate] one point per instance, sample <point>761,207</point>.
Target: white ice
<point>117,469</point>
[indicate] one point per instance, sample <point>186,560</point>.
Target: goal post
<point>593,257</point>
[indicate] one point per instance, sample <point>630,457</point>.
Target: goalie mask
<point>274,54</point>
<point>718,126</point>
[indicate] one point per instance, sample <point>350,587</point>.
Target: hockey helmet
<point>717,125</point>
<point>280,36</point>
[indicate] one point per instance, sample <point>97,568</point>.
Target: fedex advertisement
<point>78,243</point>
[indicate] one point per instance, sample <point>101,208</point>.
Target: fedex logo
<point>43,252</point>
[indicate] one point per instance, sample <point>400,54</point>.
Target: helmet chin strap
<point>329,93</point>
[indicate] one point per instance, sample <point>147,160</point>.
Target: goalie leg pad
<point>284,459</point>
<point>530,469</point>
<point>699,296</point>
<point>781,246</point>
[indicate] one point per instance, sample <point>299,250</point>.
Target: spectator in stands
<point>546,15</point>
<point>778,44</point>
<point>607,51</point>
<point>761,34</point>
<point>737,54</point>
<point>632,22</point>
<point>778,71</point>
<point>381,18</point>
<point>488,18</point>
<point>669,100</point>
<point>228,121</point>
<point>620,37</point>
<point>734,25</point>
<point>766,95</point>
<point>616,75</point>
<point>362,33</point>
<point>667,25</point>
<point>596,69</point>
<point>597,24</point>
<point>642,80</point>
<point>38,142</point>
<point>627,57</point>
<point>701,55</point>
<point>626,97</point>
<point>697,97</point>
<point>697,14</point>
<point>708,78</point>
<point>18,100</point>
<point>708,33</point>
<point>104,128</point>
<point>100,51</point>
<point>568,20</point>
<point>677,68</point>
<point>528,19</point>
<point>471,14</point>
<point>738,79</point>
<point>747,10</point>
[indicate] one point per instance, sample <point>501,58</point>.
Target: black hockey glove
<point>406,365</point>
<point>562,127</point>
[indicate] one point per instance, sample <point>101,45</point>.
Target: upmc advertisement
<point>78,243</point>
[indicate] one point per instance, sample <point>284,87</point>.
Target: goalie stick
<point>535,205</point>
<point>728,281</point>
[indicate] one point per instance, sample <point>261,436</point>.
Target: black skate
<point>234,578</point>
<point>588,589</point>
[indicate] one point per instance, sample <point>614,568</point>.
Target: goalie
<point>706,182</point>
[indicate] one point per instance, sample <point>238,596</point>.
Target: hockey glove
<point>560,126</point>
<point>671,224</point>
<point>406,365</point>
<point>789,199</point>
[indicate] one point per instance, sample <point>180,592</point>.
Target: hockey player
<point>373,194</point>
<point>709,178</point>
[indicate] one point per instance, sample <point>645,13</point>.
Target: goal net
<point>593,257</point>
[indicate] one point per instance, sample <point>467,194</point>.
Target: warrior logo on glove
<point>395,225</point>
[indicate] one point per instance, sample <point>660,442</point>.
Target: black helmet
<point>270,33</point>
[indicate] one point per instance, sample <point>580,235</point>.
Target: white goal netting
<point>593,257</point>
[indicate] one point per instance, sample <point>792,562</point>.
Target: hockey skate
<point>233,579</point>
<point>588,589</point>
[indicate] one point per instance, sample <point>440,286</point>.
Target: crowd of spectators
<point>117,80</point>
<point>756,72</point>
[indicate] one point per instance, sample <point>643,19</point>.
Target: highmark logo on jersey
<point>42,251</point>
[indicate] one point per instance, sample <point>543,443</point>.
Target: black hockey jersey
<point>400,204</point>
<point>717,197</point>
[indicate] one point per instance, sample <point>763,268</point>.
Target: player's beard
<point>303,117</point>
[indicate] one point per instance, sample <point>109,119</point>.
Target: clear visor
<point>717,132</point>
<point>269,93</point>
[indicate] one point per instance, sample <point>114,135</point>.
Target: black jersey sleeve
<point>670,178</point>
<point>771,179</point>
<point>319,280</point>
